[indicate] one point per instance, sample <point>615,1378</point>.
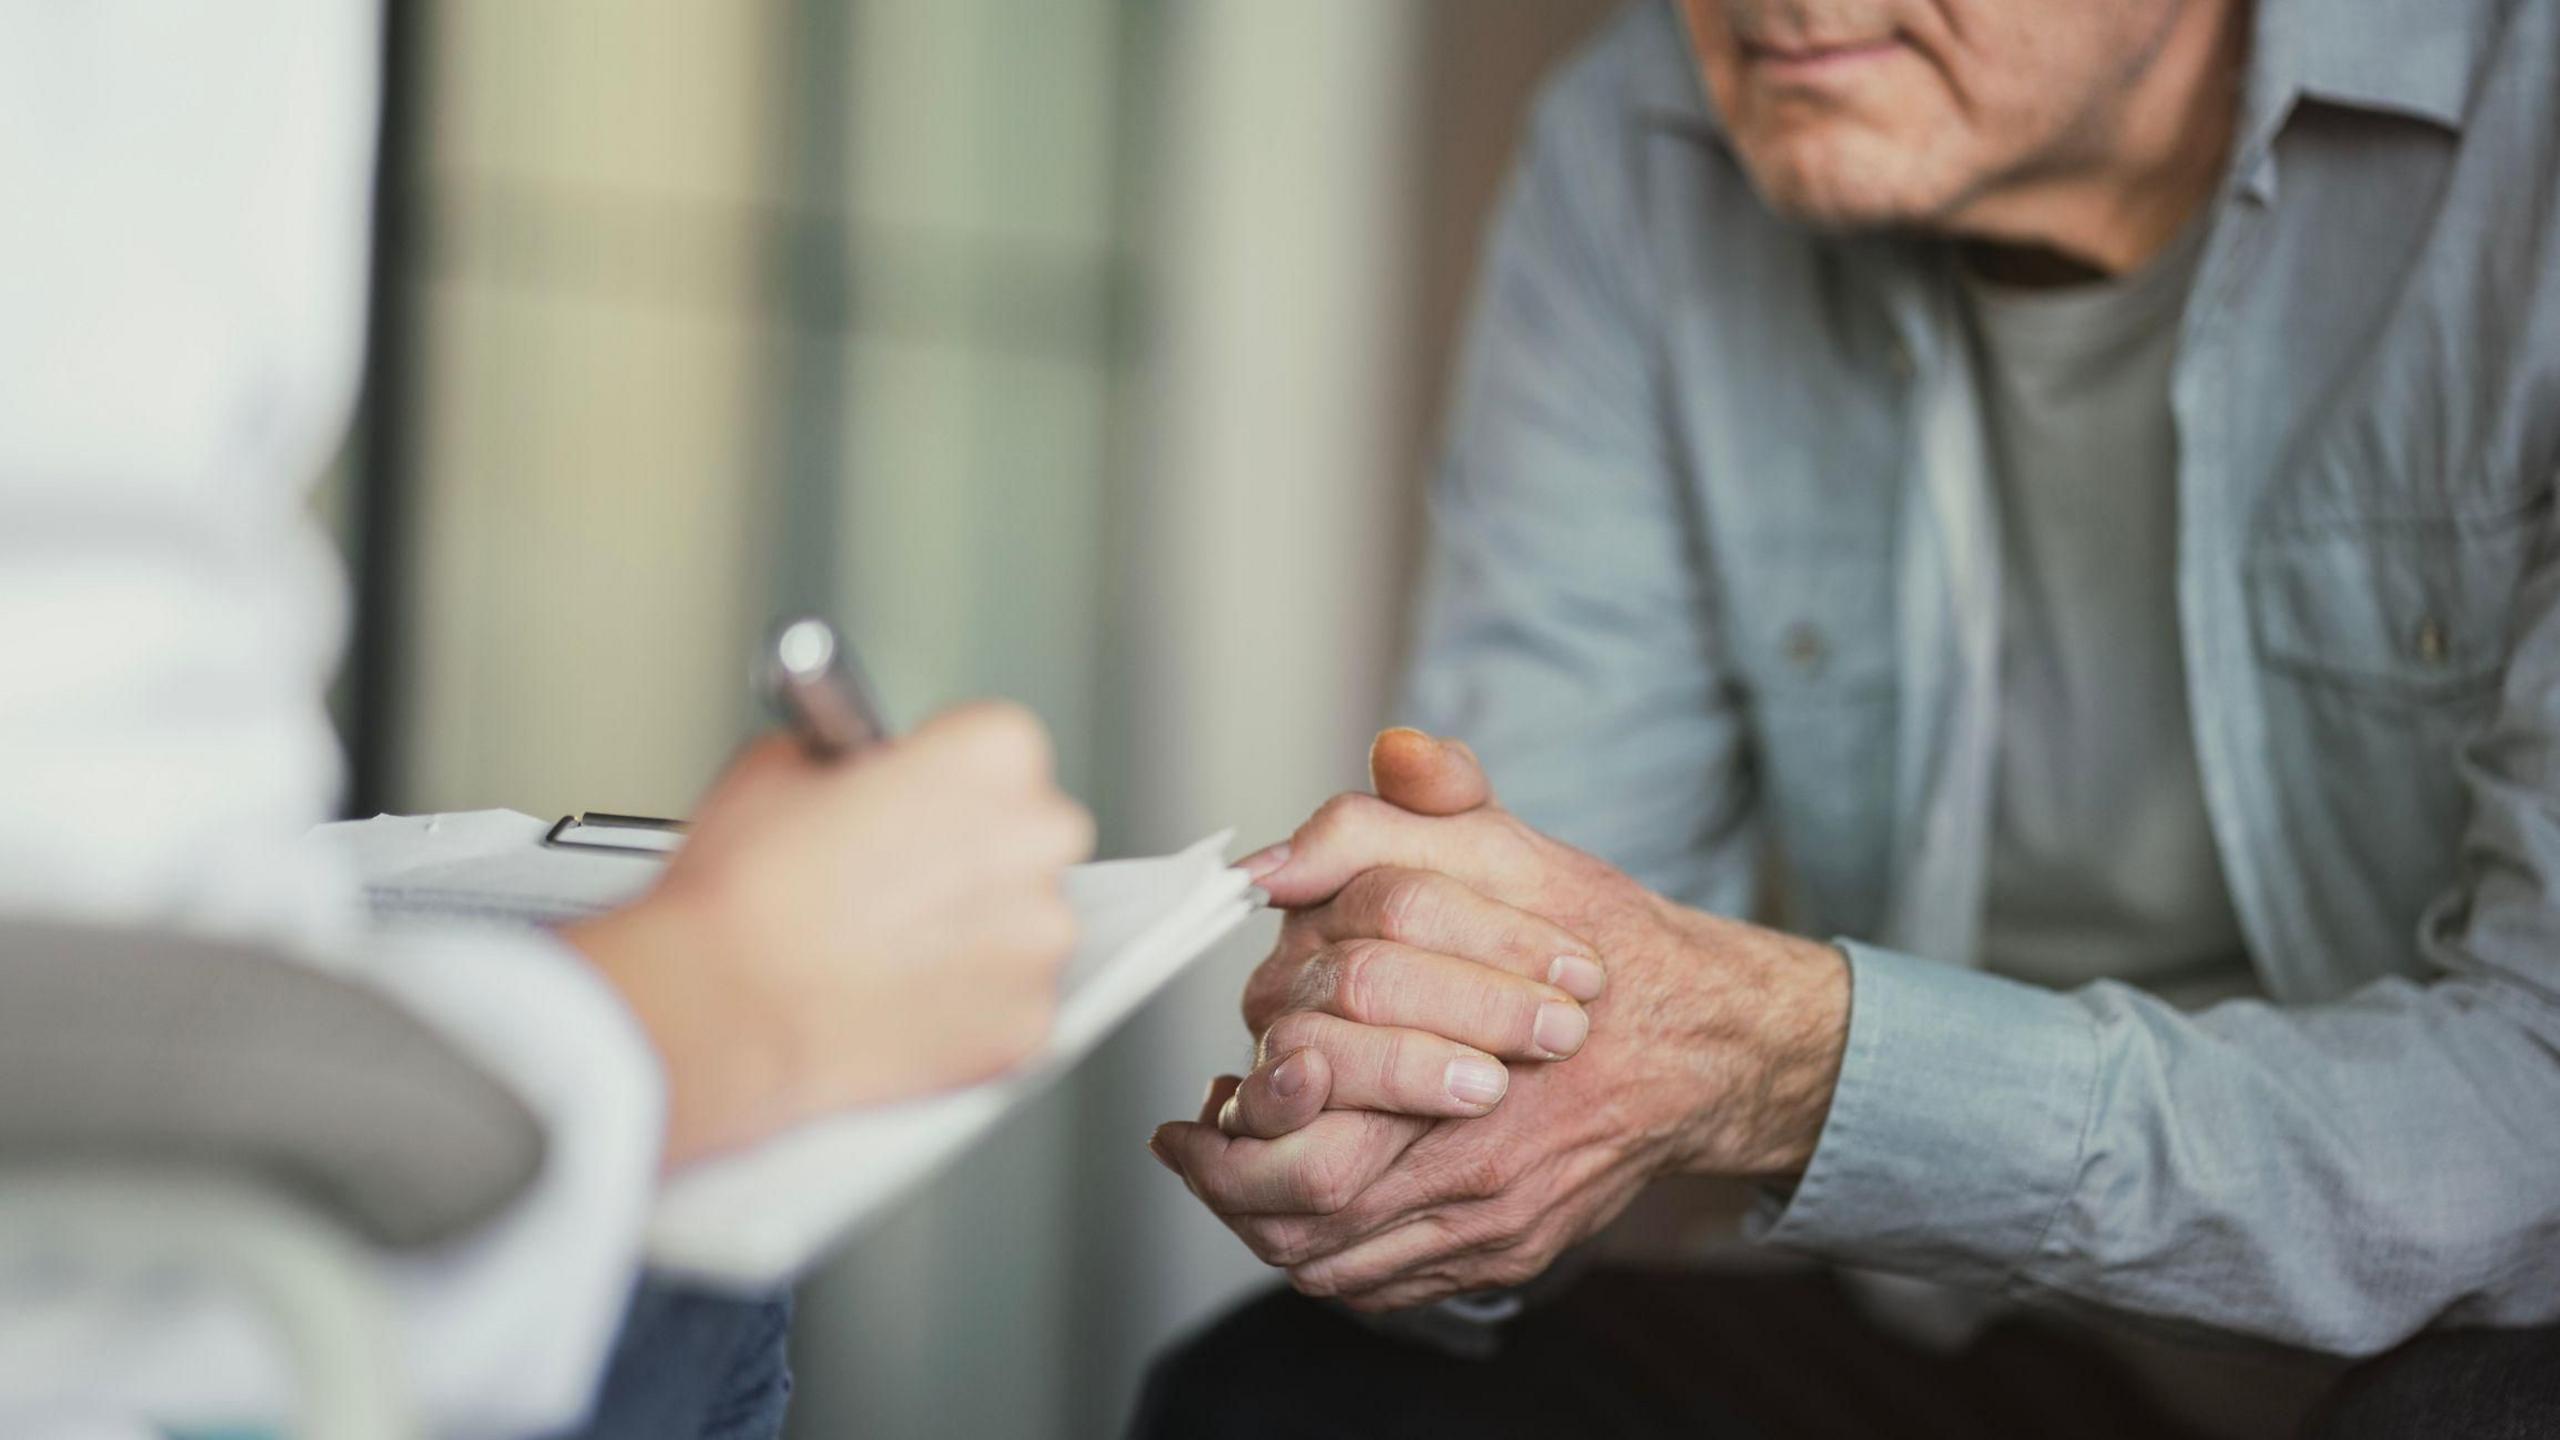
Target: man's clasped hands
<point>1474,1044</point>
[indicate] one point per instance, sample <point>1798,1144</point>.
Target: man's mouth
<point>1811,61</point>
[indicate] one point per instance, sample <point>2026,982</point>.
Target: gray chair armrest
<point>120,1047</point>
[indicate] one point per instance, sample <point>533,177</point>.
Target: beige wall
<point>589,494</point>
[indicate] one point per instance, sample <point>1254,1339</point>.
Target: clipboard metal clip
<point>620,834</point>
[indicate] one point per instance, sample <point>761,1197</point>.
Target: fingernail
<point>1475,1081</point>
<point>1155,1147</point>
<point>1582,979</point>
<point>1261,864</point>
<point>1560,1028</point>
<point>1289,1076</point>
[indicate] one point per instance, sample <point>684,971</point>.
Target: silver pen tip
<point>805,647</point>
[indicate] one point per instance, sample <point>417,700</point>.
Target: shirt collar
<point>2416,58</point>
<point>1665,90</point>
<point>2409,57</point>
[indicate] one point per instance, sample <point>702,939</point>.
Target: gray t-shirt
<point>2102,864</point>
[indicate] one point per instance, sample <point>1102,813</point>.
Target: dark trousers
<point>689,1366</point>
<point>1628,1353</point>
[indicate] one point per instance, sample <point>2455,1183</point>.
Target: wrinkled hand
<point>841,933</point>
<point>1405,989</point>
<point>1713,1048</point>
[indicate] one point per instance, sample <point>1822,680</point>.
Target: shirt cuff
<point>1956,1131</point>
<point>509,1328</point>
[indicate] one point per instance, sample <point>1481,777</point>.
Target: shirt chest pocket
<point>2380,649</point>
<point>1818,632</point>
<point>2409,616</point>
<point>1815,644</point>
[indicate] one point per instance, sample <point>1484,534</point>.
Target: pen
<point>811,677</point>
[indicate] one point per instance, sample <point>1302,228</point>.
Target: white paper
<point>483,865</point>
<point>755,1220</point>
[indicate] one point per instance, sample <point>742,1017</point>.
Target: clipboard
<point>750,1221</point>
<point>625,834</point>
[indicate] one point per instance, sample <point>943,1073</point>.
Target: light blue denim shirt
<point>1712,600</point>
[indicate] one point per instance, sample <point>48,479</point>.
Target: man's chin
<point>1839,183</point>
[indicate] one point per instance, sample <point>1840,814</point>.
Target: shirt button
<point>1804,647</point>
<point>2430,640</point>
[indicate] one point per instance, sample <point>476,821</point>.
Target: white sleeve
<point>184,193</point>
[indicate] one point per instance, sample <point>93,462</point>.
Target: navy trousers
<point>695,1367</point>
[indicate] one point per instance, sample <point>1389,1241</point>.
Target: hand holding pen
<point>833,935</point>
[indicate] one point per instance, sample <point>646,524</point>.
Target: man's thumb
<point>1426,775</point>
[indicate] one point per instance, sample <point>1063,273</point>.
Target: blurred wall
<point>599,180</point>
<point>1086,351</point>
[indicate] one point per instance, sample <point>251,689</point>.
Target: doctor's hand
<point>1713,1049</point>
<point>840,933</point>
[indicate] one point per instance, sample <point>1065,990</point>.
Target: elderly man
<point>2058,498</point>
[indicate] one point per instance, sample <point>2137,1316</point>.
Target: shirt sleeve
<point>181,281</point>
<point>1561,598</point>
<point>2336,1176</point>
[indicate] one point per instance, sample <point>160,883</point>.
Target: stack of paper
<point>755,1220</point>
